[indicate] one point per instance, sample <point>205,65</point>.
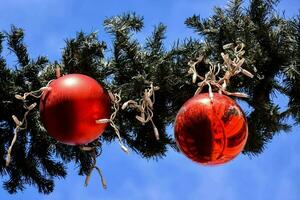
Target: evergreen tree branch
<point>15,42</point>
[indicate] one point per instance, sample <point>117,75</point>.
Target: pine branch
<point>124,24</point>
<point>16,45</point>
<point>84,54</point>
<point>195,23</point>
<point>155,43</point>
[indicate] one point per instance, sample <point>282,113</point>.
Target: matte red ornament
<point>211,132</point>
<point>70,108</point>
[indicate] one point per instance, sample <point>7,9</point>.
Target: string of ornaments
<point>210,128</point>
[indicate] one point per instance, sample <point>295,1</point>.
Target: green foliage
<point>272,53</point>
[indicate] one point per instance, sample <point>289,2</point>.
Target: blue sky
<point>273,175</point>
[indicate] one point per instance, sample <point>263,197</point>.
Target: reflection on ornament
<point>211,131</point>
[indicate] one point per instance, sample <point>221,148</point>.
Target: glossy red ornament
<point>70,108</point>
<point>211,132</point>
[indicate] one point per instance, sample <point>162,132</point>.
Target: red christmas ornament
<point>211,132</point>
<point>70,108</point>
